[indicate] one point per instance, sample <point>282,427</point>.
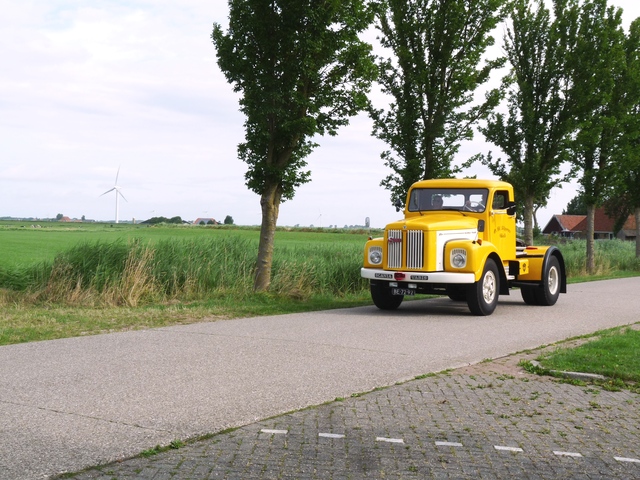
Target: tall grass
<point>610,256</point>
<point>134,272</point>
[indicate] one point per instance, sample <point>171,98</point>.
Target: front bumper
<point>417,277</point>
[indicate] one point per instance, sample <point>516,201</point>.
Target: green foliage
<point>597,72</point>
<point>158,220</point>
<point>598,68</point>
<point>576,206</point>
<point>624,197</point>
<point>534,133</point>
<point>228,220</point>
<point>301,71</point>
<point>437,49</point>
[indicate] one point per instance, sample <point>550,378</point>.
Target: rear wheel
<point>383,299</point>
<point>546,294</point>
<point>529,295</point>
<point>549,292</point>
<point>482,296</point>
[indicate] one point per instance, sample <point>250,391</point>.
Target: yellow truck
<point>458,238</point>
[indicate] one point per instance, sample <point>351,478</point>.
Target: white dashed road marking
<point>389,440</point>
<point>508,449</point>
<point>630,460</point>
<point>448,444</point>
<point>331,435</point>
<point>567,454</point>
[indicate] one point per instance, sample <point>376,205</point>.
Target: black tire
<point>530,295</point>
<point>549,292</point>
<point>383,299</point>
<point>457,293</point>
<point>482,296</point>
<point>546,294</point>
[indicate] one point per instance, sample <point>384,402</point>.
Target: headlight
<point>375,255</point>
<point>458,258</point>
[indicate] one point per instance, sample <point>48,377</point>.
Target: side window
<point>500,201</point>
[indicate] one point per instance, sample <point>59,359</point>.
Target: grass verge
<point>20,323</point>
<point>612,353</point>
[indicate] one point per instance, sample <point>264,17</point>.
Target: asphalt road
<point>73,403</point>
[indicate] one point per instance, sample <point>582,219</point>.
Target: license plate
<point>402,291</point>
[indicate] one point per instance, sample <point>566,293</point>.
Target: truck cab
<point>458,238</point>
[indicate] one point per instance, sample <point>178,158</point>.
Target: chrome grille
<point>414,249</point>
<point>394,249</point>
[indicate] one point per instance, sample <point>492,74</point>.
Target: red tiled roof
<point>569,222</point>
<point>630,224</point>
<point>578,223</point>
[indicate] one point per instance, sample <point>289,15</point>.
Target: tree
<point>598,81</point>
<point>625,196</point>
<point>302,71</point>
<point>437,48</point>
<point>228,220</point>
<point>576,206</point>
<point>534,133</point>
<point>59,216</point>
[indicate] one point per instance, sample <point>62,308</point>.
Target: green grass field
<point>21,244</point>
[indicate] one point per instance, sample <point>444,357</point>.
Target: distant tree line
<point>157,220</point>
<point>178,220</point>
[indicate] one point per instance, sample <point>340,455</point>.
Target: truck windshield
<point>462,199</point>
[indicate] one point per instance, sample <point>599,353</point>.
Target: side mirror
<point>511,208</point>
<point>480,226</point>
<point>398,205</point>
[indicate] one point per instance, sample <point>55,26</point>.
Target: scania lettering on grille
<point>395,240</point>
<point>419,277</point>
<point>384,275</point>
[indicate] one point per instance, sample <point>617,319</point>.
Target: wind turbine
<point>116,188</point>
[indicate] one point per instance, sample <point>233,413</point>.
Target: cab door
<point>502,226</point>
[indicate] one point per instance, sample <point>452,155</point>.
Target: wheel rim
<point>489,287</point>
<point>553,280</point>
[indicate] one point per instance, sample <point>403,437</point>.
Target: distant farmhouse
<point>205,221</point>
<point>68,219</point>
<point>575,226</point>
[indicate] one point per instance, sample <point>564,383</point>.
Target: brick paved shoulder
<point>459,425</point>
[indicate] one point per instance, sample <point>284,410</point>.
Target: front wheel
<point>383,299</point>
<point>457,293</point>
<point>482,296</point>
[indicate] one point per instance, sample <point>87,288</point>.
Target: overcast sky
<point>90,87</point>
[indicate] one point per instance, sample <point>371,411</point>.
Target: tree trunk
<point>270,203</point>
<point>637,215</point>
<point>528,220</point>
<point>536,227</point>
<point>591,213</point>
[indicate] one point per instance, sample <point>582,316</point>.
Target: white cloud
<point>90,86</point>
